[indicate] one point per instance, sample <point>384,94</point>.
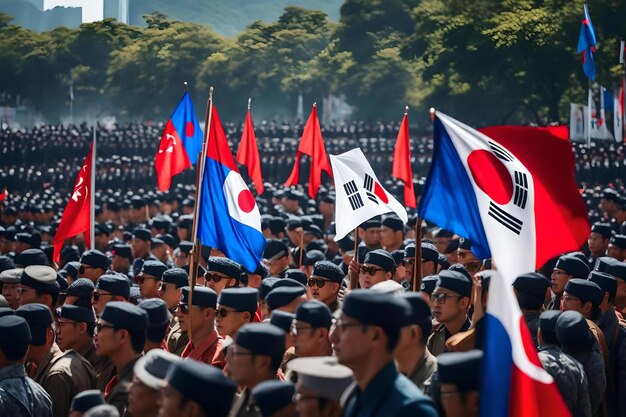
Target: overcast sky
<point>92,9</point>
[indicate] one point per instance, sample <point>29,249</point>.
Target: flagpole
<point>92,198</point>
<point>301,249</point>
<point>417,265</point>
<point>353,277</point>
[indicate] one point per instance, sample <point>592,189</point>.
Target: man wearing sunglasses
<point>235,307</point>
<point>171,292</point>
<point>222,273</point>
<point>451,301</point>
<point>378,266</point>
<point>149,279</point>
<point>206,345</point>
<point>93,264</point>
<point>110,288</point>
<point>325,282</point>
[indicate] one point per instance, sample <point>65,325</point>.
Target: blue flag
<point>587,46</point>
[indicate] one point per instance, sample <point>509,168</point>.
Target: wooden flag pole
<point>92,197</point>
<point>417,265</point>
<point>301,249</point>
<point>354,277</point>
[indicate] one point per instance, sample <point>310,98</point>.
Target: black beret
<point>429,252</point>
<point>202,297</point>
<point>327,269</point>
<point>40,277</point>
<point>409,250</point>
<point>618,270</point>
<point>161,222</point>
<point>461,369</point>
<point>169,240</point>
<point>143,234</point>
<point>266,286</point>
<point>297,275</point>
<point>77,313</point>
<point>176,276</point>
<point>156,309</point>
<point>419,312</point>
<point>442,233</point>
<point>32,257</point>
<point>314,229</point>
<point>282,320</point>
<point>376,308</point>
<point>124,315</point>
<point>15,336</point>
<point>346,244</point>
<point>315,313</point>
<point>532,283</point>
<point>312,256</point>
<point>153,268</point>
<point>114,284</point>
<point>272,396</point>
<point>371,223</point>
<point>294,223</point>
<point>547,321</point>
<point>619,241</point>
<point>393,222</point>
<point>585,290</point>
<point>603,229</point>
<point>605,281</point>
<point>225,266</point>
<point>429,283</point>
<point>95,258</point>
<point>603,263</point>
<point>204,384</point>
<point>241,299</point>
<point>277,225</point>
<point>455,281</point>
<point>262,339</point>
<point>6,263</point>
<point>572,265</point>
<point>185,246</point>
<point>86,400</point>
<point>71,268</point>
<point>81,288</point>
<point>62,281</point>
<point>572,331</point>
<point>123,250</point>
<point>39,318</point>
<point>382,258</point>
<point>465,244</point>
<point>262,270</point>
<point>275,249</point>
<point>281,296</point>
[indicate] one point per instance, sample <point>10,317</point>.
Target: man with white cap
<point>321,383</point>
<point>10,280</point>
<point>38,284</point>
<point>149,378</point>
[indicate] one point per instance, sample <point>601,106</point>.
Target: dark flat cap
<point>114,284</point>
<point>275,249</point>
<point>327,269</point>
<point>86,400</point>
<point>393,222</point>
<point>280,296</point>
<point>610,194</point>
<point>266,286</point>
<point>77,313</point>
<point>272,396</point>
<point>419,312</point>
<point>123,250</point>
<point>381,258</point>
<point>72,269</point>
<point>240,299</point>
<point>461,369</point>
<point>429,252</point>
<point>156,309</point>
<point>176,276</point>
<point>262,339</point>
<point>312,256</point>
<point>15,336</point>
<point>455,281</point>
<point>185,246</point>
<point>224,266</point>
<point>153,268</point>
<point>95,258</point>
<point>282,320</point>
<point>124,315</point>
<point>429,283</point>
<point>442,233</point>
<point>40,277</point>
<point>603,229</point>
<point>409,250</point>
<point>376,308</point>
<point>603,263</point>
<point>296,275</point>
<point>143,234</point>
<point>619,241</point>
<point>573,266</point>
<point>39,318</point>
<point>547,321</point>
<point>573,332</point>
<point>204,384</point>
<point>587,291</point>
<point>605,281</point>
<point>315,313</point>
<point>262,270</point>
<point>532,283</point>
<point>465,244</point>
<point>202,297</point>
<point>32,257</point>
<point>618,270</point>
<point>398,256</point>
<point>371,223</point>
<point>346,244</point>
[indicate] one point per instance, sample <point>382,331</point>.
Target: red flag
<point>248,154</point>
<point>4,195</point>
<point>311,144</point>
<point>402,169</point>
<point>77,214</point>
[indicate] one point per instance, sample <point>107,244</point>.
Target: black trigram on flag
<point>353,195</point>
<point>500,152</point>
<point>505,219</point>
<point>368,184</point>
<point>521,190</point>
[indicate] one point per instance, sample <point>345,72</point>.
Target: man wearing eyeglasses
<point>311,328</point>
<point>325,283</point>
<point>206,344</point>
<point>235,307</point>
<point>567,267</point>
<point>363,340</point>
<point>93,264</point>
<point>451,301</point>
<point>378,266</point>
<point>171,292</point>
<point>149,278</point>
<point>222,273</point>
<point>121,336</point>
<point>110,288</point>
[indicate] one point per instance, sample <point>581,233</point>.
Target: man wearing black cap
<point>182,254</point>
<point>196,390</point>
<point>610,203</point>
<point>451,300</point>
<point>411,355</point>
<point>530,290</point>
<point>10,280</point>
<point>149,278</point>
<point>309,259</point>
<point>236,307</point>
<point>276,257</point>
<point>325,282</point>
<point>31,257</point>
<point>459,376</point>
<point>363,340</point>
<point>275,398</point>
<point>378,266</point>
<point>84,401</point>
<point>207,344</point>
<point>121,259</point>
<point>38,284</point>
<point>466,256</point>
<point>441,239</point>
<point>140,246</point>
<point>93,264</point>
<point>254,357</point>
<point>24,397</point>
<point>617,247</point>
<point>121,336</point>
<point>430,259</point>
<point>158,323</point>
<point>62,375</point>
<point>598,241</point>
<point>567,267</point>
<point>171,291</point>
<point>286,296</point>
<point>567,372</point>
<point>310,330</point>
<point>222,273</point>
<point>110,288</point>
<point>392,233</point>
<point>369,233</point>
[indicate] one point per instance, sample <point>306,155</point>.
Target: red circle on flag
<point>246,201</point>
<point>380,193</point>
<point>189,129</point>
<point>491,176</point>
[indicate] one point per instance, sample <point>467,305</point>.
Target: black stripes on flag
<point>500,152</point>
<point>353,195</point>
<point>521,190</point>
<point>368,184</point>
<point>505,219</point>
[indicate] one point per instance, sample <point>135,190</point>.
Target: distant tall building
<point>37,3</point>
<point>117,9</point>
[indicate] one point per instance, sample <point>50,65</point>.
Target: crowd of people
<point>319,328</point>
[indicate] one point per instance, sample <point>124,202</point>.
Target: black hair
<point>137,340</point>
<point>155,334</point>
<point>550,338</point>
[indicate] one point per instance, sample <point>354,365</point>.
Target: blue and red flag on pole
<point>228,216</point>
<point>181,143</point>
<point>587,46</point>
